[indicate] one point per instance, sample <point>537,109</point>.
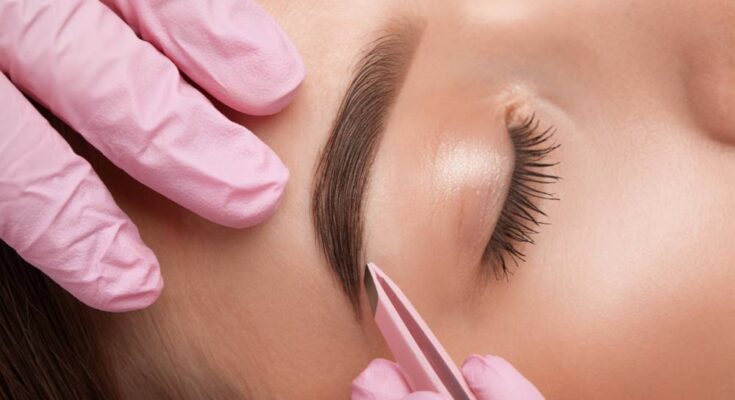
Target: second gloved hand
<point>112,72</point>
<point>489,378</point>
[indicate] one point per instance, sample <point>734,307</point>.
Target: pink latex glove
<point>125,95</point>
<point>489,378</point>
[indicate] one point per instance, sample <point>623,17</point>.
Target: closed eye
<point>521,216</point>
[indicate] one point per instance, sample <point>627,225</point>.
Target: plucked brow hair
<point>342,173</point>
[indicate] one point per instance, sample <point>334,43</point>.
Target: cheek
<point>632,278</point>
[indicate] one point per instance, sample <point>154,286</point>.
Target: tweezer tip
<point>372,293</point>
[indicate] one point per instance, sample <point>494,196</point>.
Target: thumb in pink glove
<point>489,377</point>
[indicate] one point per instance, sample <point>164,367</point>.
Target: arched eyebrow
<point>341,177</point>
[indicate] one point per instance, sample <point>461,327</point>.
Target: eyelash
<point>520,216</point>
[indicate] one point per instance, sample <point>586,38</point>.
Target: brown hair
<point>47,349</point>
<point>342,173</point>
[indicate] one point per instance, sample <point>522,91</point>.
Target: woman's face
<point>626,294</point>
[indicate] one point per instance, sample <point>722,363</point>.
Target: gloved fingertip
<point>269,70</point>
<point>277,94</point>
<point>257,199</point>
<point>234,49</point>
<point>381,380</point>
<point>136,299</point>
<point>492,377</point>
<point>476,363</point>
<point>127,279</point>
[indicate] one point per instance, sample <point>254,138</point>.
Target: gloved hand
<point>125,95</point>
<point>489,378</point>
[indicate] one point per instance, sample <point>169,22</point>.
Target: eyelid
<point>475,174</point>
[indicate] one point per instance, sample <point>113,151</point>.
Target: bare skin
<point>627,294</point>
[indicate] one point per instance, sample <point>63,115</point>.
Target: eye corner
<point>519,104</point>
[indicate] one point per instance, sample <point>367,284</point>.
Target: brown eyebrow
<point>341,177</point>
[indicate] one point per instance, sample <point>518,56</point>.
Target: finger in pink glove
<point>58,215</point>
<point>493,378</point>
<point>383,380</point>
<point>489,378</point>
<point>231,48</point>
<point>127,99</point>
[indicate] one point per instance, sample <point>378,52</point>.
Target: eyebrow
<point>341,177</point>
